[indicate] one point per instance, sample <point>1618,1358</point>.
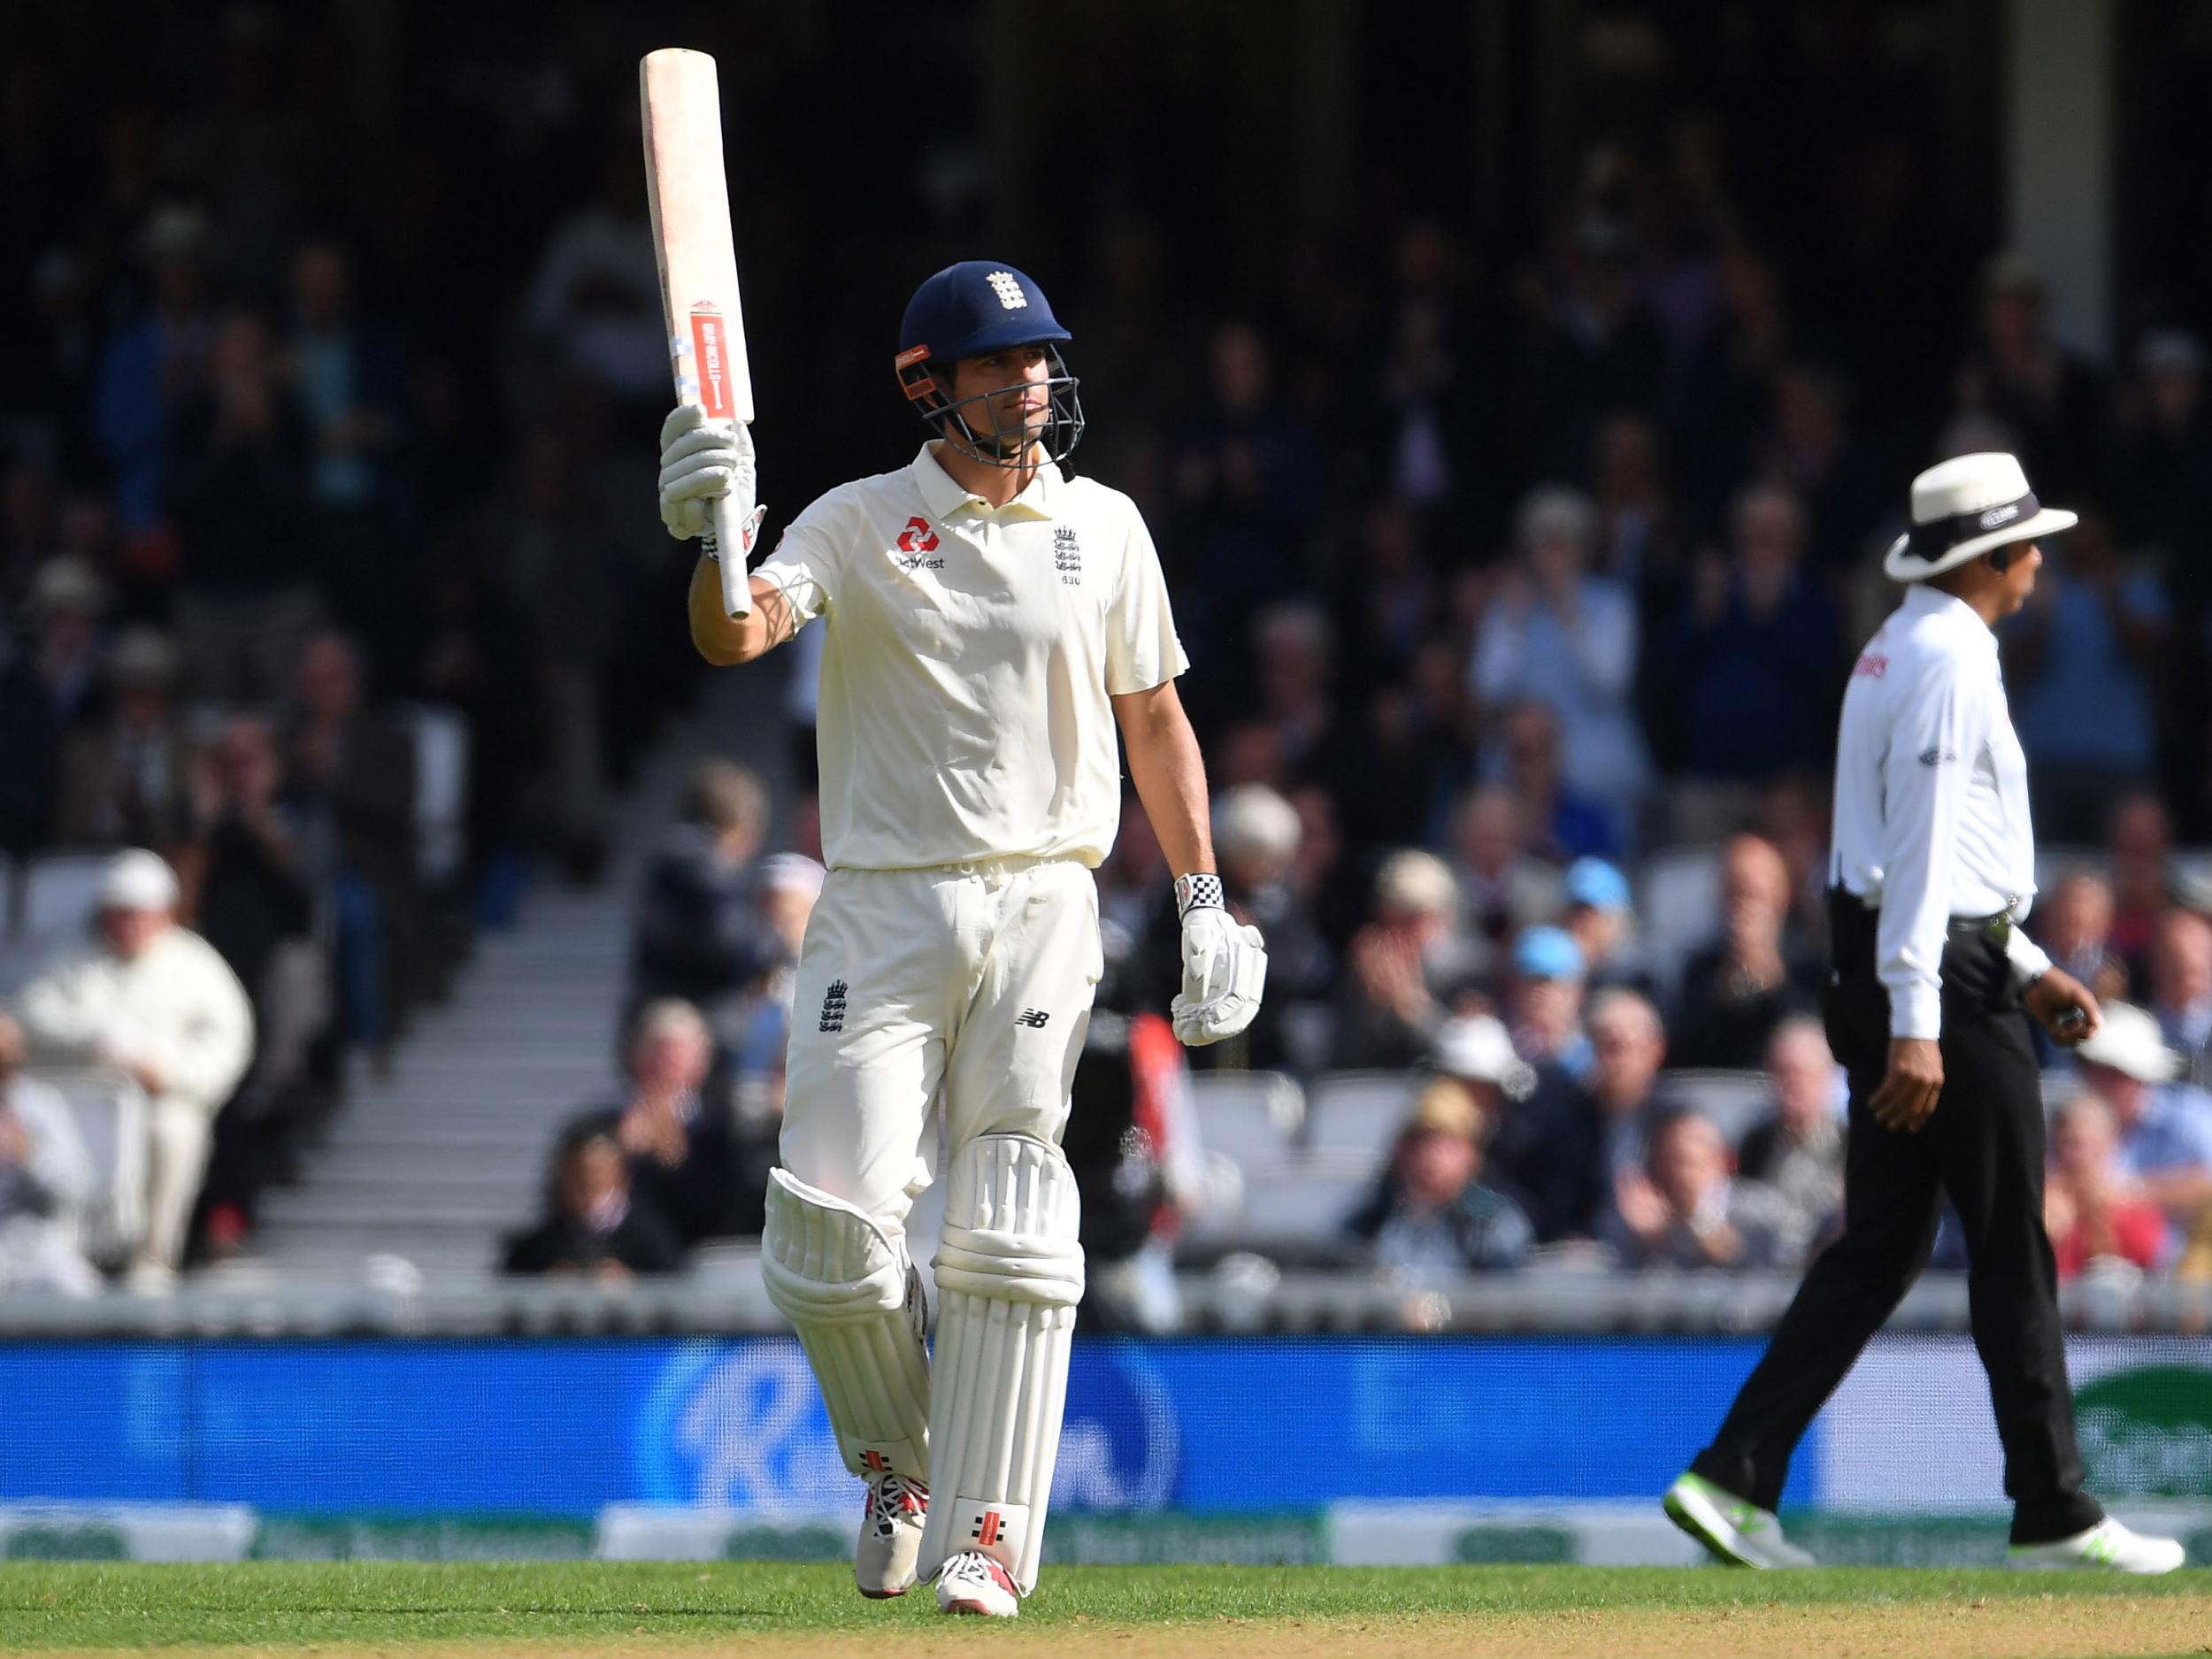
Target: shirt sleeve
<point>808,558</point>
<point>1141,648</point>
<point>1925,775</point>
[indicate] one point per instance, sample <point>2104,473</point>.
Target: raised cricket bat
<point>681,103</point>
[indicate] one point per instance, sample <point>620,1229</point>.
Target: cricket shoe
<point>2107,1546</point>
<point>973,1582</point>
<point>1739,1533</point>
<point>890,1536</point>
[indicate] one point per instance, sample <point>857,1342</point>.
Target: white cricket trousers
<point>179,1135</point>
<point>967,983</point>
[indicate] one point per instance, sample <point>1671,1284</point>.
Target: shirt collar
<point>1923,600</point>
<point>944,495</point>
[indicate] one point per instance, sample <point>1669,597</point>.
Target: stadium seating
<point>57,896</point>
<point>1354,1117</point>
<point>1249,1118</point>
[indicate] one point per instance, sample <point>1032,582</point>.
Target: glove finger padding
<point>684,417</point>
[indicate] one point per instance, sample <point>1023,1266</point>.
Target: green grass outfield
<point>639,1606</point>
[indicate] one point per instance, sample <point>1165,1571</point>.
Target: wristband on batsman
<point>1198,893</point>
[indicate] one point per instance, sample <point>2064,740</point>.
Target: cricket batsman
<point>990,623</point>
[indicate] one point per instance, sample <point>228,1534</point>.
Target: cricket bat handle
<point>725,533</point>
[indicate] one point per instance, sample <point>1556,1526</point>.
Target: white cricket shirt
<point>969,656</point>
<point>1932,798</point>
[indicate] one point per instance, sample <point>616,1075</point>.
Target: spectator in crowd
<point>1797,1147</point>
<point>1811,449</point>
<point>1256,834</point>
<point>2074,924</point>
<point>2081,666</point>
<point>1602,922</point>
<point>256,906</point>
<point>351,379</point>
<point>592,1225</point>
<point>124,777</point>
<point>350,777</point>
<point>2163,1125</point>
<point>755,1035</point>
<point>1563,824</point>
<point>594,297</point>
<point>1750,663</point>
<point>1393,599</point>
<point>47,691</point>
<point>1404,966</point>
<point>1134,875</point>
<point>1555,634</point>
<point>685,1166</point>
<point>235,470</point>
<point>155,361</point>
<point>1682,1211</point>
<point>1639,536</point>
<point>2163,468</point>
<point>1294,645</point>
<point>153,1000</point>
<point>1133,1144</point>
<point>2047,396</point>
<point>1504,887</point>
<point>2138,843</point>
<point>1544,999</point>
<point>2181,989</point>
<point>697,933</point>
<point>2091,1208</point>
<point>1565,1147</point>
<point>1738,988</point>
<point>1415,751</point>
<point>1429,392</point>
<point>1246,492</point>
<point>1477,1050</point>
<point>1597,349</point>
<point>45,1179</point>
<point>1430,1215</point>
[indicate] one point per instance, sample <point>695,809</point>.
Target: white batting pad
<point>847,1288</point>
<point>1010,1273</point>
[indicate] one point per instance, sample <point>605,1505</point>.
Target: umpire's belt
<point>1997,929</point>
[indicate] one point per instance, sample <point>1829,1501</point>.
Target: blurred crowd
<point>1513,577</point>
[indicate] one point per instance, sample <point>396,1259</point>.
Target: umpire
<point>1931,985</point>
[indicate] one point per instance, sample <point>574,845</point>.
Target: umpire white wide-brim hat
<point>1965,506</point>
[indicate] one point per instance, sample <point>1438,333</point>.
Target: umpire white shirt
<point>970,654</point>
<point>1932,799</point>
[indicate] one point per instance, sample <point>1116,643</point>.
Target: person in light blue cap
<point>1601,921</point>
<point>1544,1002</point>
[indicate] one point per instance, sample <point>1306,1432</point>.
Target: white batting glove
<point>1225,965</point>
<point>701,461</point>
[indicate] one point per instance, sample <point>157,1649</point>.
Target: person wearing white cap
<point>2165,1125</point>
<point>1931,988</point>
<point>151,1000</point>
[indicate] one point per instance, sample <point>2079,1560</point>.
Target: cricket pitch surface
<point>638,1610</point>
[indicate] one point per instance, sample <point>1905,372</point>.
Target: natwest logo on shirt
<point>917,537</point>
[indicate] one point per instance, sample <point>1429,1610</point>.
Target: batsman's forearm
<point>1171,778</point>
<point>723,640</point>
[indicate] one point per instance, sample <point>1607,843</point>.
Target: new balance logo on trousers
<point>1035,1018</point>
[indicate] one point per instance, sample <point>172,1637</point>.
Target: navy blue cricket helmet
<point>972,310</point>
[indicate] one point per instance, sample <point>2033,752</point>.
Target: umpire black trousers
<point>1984,1146</point>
